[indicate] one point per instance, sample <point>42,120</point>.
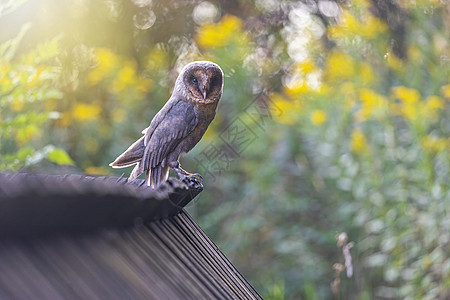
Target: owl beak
<point>205,85</point>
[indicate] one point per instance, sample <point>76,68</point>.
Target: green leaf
<point>42,53</point>
<point>24,152</point>
<point>59,156</point>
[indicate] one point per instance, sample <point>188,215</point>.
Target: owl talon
<point>185,175</point>
<point>195,179</point>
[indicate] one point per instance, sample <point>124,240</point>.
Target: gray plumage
<point>178,126</point>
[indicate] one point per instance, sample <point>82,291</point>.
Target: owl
<point>178,126</point>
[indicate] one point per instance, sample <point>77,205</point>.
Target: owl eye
<point>194,80</point>
<point>213,81</point>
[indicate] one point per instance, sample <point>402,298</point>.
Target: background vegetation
<point>332,136</point>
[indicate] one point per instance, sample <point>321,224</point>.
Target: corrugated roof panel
<point>109,258</point>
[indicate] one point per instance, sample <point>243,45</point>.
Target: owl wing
<point>135,152</point>
<point>178,123</point>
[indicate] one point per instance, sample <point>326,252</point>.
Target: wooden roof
<point>77,237</point>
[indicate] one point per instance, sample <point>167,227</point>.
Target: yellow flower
<point>372,27</point>
<point>435,102</point>
<point>297,84</point>
<point>5,77</point>
<point>106,58</point>
<point>372,104</point>
<point>394,62</point>
<point>446,91</point>
<point>410,106</point>
<point>157,59</point>
<point>305,67</point>
<point>407,95</point>
<point>86,112</point>
<point>431,107</point>
<point>410,112</point>
<point>107,62</point>
<point>125,78</point>
<point>289,109</point>
<point>435,144</point>
<point>349,22</point>
<point>335,31</point>
<point>347,26</point>
<point>318,117</point>
<point>295,88</point>
<point>25,134</point>
<point>340,66</point>
<point>367,74</point>
<point>221,34</point>
<point>358,142</point>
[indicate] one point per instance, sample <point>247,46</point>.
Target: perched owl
<point>178,126</point>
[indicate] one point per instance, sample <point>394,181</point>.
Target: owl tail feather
<point>131,156</point>
<point>134,155</point>
<point>137,170</point>
<point>157,175</point>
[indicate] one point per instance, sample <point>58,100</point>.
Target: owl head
<point>201,81</point>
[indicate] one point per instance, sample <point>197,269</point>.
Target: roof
<point>76,237</point>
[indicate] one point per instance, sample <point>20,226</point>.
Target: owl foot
<point>195,179</point>
<point>186,176</point>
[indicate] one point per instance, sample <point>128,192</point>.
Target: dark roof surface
<point>163,255</point>
<point>46,204</point>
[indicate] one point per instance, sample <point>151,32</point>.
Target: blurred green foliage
<point>26,84</point>
<point>334,118</point>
